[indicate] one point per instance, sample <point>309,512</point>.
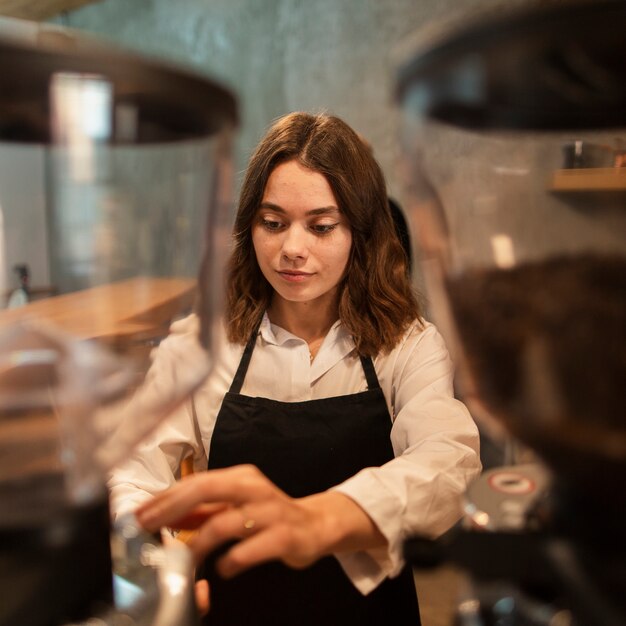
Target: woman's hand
<point>241,503</point>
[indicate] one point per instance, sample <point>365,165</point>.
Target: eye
<point>323,229</point>
<point>271,225</point>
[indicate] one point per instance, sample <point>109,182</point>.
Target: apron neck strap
<point>370,372</point>
<point>237,383</point>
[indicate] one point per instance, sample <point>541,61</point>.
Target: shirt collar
<point>337,343</point>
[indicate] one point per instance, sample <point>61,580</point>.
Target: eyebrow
<point>321,211</point>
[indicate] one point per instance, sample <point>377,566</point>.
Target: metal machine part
<point>152,583</point>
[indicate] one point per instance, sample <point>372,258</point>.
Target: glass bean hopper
<point>115,211</point>
<point>514,137</point>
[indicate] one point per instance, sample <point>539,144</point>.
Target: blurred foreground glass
<point>514,132</point>
<point>115,194</point>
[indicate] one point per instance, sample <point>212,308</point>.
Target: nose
<point>295,243</point>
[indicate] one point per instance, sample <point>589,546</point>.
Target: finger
<point>202,596</point>
<point>246,554</point>
<point>198,516</point>
<point>235,485</point>
<point>231,524</point>
<point>174,508</point>
<point>277,542</point>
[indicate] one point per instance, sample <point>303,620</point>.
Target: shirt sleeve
<point>436,447</point>
<point>155,463</point>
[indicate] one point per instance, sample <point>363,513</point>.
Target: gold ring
<point>248,522</point>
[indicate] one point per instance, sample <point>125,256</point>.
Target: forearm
<point>138,480</point>
<point>153,467</point>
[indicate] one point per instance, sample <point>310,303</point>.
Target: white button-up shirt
<point>434,439</point>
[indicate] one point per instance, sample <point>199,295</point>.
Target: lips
<point>294,277</point>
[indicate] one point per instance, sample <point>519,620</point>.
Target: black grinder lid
<point>170,103</point>
<point>547,66</point>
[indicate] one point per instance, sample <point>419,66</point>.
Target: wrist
<point>341,525</point>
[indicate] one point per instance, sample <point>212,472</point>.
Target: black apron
<point>304,448</point>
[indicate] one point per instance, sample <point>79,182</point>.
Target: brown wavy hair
<point>376,302</point>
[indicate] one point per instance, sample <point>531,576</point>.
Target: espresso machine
<point>115,193</point>
<point>513,138</point>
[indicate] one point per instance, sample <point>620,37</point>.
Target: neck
<point>310,321</point>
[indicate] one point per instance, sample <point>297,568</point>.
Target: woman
<point>329,423</point>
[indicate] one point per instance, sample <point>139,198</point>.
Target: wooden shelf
<point>120,313</point>
<point>39,9</point>
<point>599,179</point>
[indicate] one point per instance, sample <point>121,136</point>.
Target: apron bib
<point>304,448</point>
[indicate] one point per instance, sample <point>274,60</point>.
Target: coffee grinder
<point>120,200</point>
<point>513,133</point>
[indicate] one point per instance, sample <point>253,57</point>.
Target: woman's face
<point>301,240</point>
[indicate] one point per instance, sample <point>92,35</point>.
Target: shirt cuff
<point>368,568</point>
